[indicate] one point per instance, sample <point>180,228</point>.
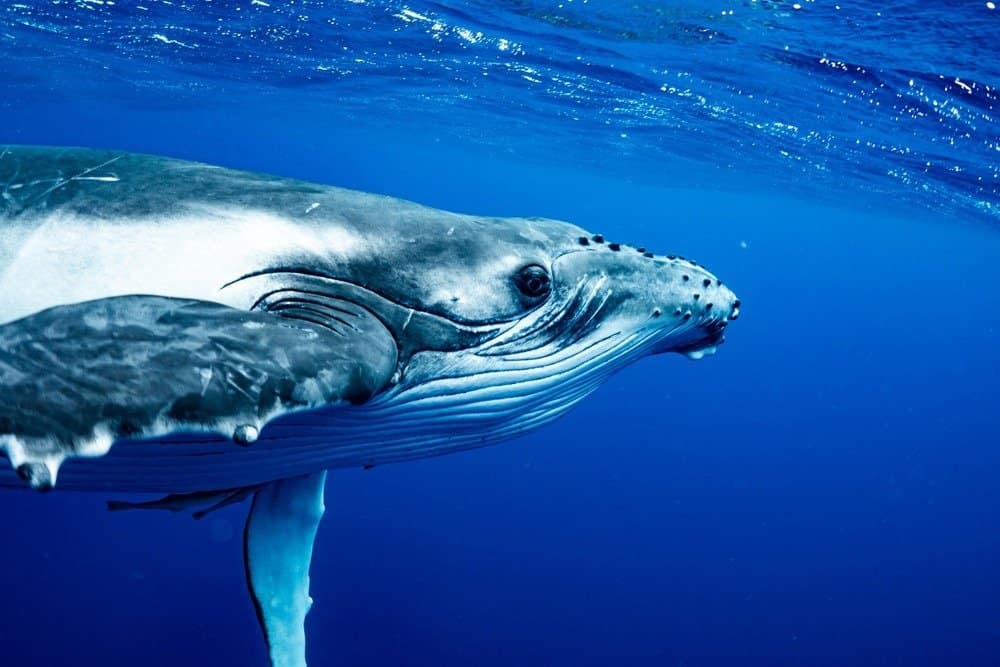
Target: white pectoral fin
<point>277,547</point>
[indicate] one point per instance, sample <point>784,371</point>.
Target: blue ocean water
<point>823,491</point>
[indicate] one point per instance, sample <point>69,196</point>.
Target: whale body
<point>213,335</point>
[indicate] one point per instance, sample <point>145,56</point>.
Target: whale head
<point>505,323</point>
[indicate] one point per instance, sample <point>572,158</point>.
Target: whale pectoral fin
<point>277,548</point>
<point>77,377</point>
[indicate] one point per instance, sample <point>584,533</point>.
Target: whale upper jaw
<point>697,315</point>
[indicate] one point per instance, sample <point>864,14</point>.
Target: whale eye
<point>533,281</point>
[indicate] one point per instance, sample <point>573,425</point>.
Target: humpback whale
<point>214,335</point>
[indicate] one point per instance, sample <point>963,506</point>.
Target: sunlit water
<point>895,99</point>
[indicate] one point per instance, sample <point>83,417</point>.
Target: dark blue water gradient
<point>822,492</point>
<point>896,99</point>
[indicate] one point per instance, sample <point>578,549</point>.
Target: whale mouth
<point>713,334</point>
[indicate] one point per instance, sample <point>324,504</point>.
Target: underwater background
<point>824,491</point>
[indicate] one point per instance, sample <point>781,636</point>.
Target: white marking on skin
<point>78,177</point>
<point>232,384</point>
<point>529,230</point>
<point>451,231</point>
<point>52,453</point>
<point>480,297</point>
<point>309,392</point>
<point>93,321</point>
<point>14,449</point>
<point>68,258</point>
<point>409,316</point>
<point>52,463</point>
<point>102,179</point>
<point>312,207</point>
<point>206,378</point>
<point>98,444</point>
<point>339,241</point>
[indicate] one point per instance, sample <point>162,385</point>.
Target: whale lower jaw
<point>701,353</point>
<point>708,346</point>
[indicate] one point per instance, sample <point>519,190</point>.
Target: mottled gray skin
<point>406,244</point>
<point>127,280</point>
<point>131,363</point>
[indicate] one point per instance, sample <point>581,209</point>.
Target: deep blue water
<point>824,491</point>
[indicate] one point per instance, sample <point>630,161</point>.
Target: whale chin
<point>698,342</point>
<point>705,347</point>
<point>701,353</point>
